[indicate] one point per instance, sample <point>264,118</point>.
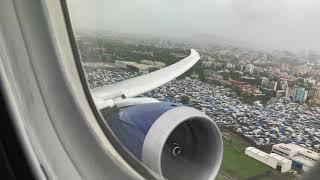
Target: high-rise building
<point>315,95</point>
<point>264,81</point>
<point>300,94</point>
<point>249,68</point>
<point>273,85</point>
<point>283,85</point>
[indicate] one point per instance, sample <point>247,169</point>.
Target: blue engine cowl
<point>131,124</point>
<point>168,137</point>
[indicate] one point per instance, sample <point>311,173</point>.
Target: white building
<point>273,160</point>
<point>230,65</point>
<point>206,64</point>
<point>156,64</point>
<point>301,157</point>
<point>283,85</point>
<point>122,64</point>
<point>249,68</point>
<point>159,64</point>
<point>264,81</point>
<point>311,81</point>
<point>148,62</point>
<point>141,68</point>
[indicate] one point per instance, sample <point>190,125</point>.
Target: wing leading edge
<point>142,84</point>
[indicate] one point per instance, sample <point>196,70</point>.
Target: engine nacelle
<point>176,141</point>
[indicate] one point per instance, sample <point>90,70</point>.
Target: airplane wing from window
<point>162,135</point>
<point>139,85</point>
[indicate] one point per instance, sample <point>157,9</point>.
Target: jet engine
<point>176,141</point>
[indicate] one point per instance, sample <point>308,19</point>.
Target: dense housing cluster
<point>280,121</point>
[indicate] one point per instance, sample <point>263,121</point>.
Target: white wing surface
<point>142,84</point>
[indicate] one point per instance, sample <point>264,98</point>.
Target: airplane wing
<point>141,84</point>
<point>157,132</point>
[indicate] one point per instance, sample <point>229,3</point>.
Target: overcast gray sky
<point>292,24</point>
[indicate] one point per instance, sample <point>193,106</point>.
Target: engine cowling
<point>176,141</point>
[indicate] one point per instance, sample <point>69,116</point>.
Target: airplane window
<point>223,89</point>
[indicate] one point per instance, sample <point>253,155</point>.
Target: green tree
<point>185,99</point>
